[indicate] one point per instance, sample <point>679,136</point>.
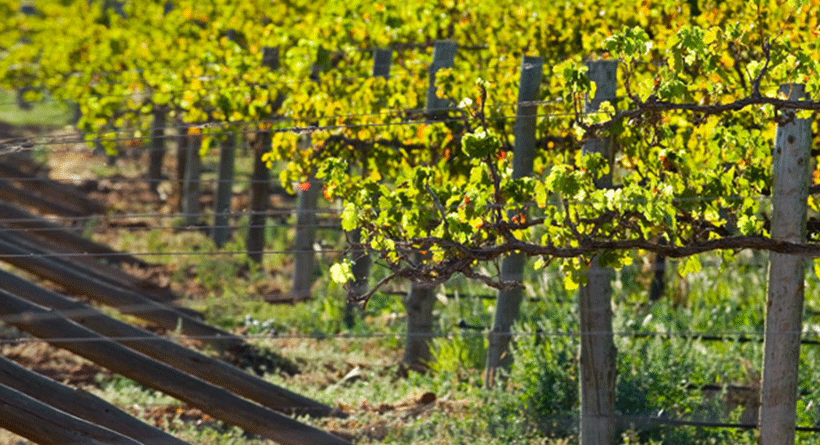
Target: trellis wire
<point>24,144</point>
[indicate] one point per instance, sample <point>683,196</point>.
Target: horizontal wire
<point>23,143</point>
<point>272,213</point>
<point>278,120</point>
<point>177,253</point>
<point>135,308</point>
<point>55,314</point>
<point>279,212</point>
<point>118,180</point>
<point>186,228</point>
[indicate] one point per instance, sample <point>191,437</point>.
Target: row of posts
<point>598,353</point>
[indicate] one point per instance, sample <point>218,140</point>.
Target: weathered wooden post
<point>224,190</point>
<point>306,217</point>
<point>306,223</point>
<point>181,160</point>
<point>598,353</point>
<point>382,59</point>
<point>421,298</point>
<point>512,268</point>
<point>214,400</point>
<point>80,404</point>
<point>156,153</point>
<point>784,305</point>
<point>260,178</point>
<point>160,348</point>
<point>191,207</point>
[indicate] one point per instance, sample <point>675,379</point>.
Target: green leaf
<point>205,148</point>
<point>480,144</point>
<point>342,272</point>
<point>350,217</point>
<point>690,265</point>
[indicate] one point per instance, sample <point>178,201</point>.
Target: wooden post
<point>87,282</point>
<point>260,178</point>
<point>260,193</point>
<point>57,235</point>
<point>181,160</point>
<point>28,417</point>
<point>216,401</point>
<point>419,306</point>
<point>421,298</point>
<point>55,191</point>
<point>81,404</point>
<point>784,306</point>
<point>361,273</point>
<point>444,56</point>
<point>512,268</point>
<point>306,223</point>
<point>382,59</point>
<point>598,354</point>
<point>191,207</point>
<point>47,205</point>
<point>188,360</point>
<point>306,218</point>
<point>156,154</point>
<point>224,190</point>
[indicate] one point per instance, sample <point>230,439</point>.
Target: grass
<point>358,368</point>
<point>47,112</point>
<point>539,403</point>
